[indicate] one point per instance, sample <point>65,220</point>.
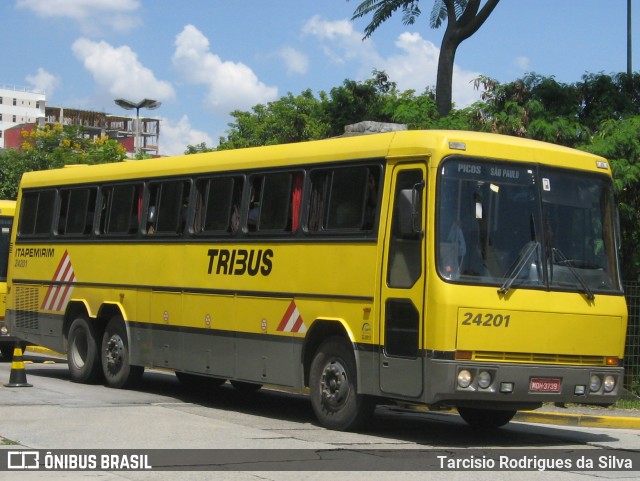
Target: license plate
<point>543,384</point>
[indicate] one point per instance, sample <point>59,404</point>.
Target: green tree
<point>463,17</point>
<point>354,102</point>
<point>542,108</point>
<point>619,141</point>
<point>289,119</point>
<point>55,146</point>
<point>416,111</point>
<point>534,106</point>
<point>198,148</point>
<point>306,117</point>
<point>12,166</point>
<point>607,97</point>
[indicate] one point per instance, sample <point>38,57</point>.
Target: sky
<point>206,58</point>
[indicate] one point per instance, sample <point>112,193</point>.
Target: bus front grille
<point>539,358</point>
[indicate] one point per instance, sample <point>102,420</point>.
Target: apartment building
<point>20,106</point>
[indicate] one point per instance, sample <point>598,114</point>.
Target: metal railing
<point>632,343</point>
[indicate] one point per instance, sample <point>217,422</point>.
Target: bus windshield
<point>525,225</point>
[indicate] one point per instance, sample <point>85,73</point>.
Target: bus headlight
<point>484,379</point>
<point>595,383</point>
<point>609,383</point>
<point>464,378</point>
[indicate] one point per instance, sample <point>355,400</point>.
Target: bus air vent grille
<point>27,307</point>
<point>539,358</point>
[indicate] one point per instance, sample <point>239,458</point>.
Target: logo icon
<point>23,459</point>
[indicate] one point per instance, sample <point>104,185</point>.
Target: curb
<point>41,350</point>
<point>580,420</point>
<point>52,357</point>
<point>559,419</point>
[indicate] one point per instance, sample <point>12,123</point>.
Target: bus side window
<point>236,202</point>
<point>167,210</point>
<point>296,200</point>
<point>253,215</point>
<point>152,210</point>
<point>121,209</point>
<point>343,199</point>
<point>371,199</point>
<point>217,210</point>
<point>76,212</point>
<point>320,182</point>
<point>105,200</point>
<point>274,205</point>
<point>347,198</point>
<point>36,215</point>
<point>405,251</point>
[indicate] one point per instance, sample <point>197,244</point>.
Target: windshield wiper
<point>586,290</point>
<point>525,253</point>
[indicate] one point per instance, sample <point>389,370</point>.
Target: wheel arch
<point>80,307</point>
<point>109,310</point>
<point>74,309</point>
<point>321,330</point>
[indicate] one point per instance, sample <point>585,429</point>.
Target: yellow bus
<point>443,268</point>
<point>7,210</point>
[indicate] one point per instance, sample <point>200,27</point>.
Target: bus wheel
<point>334,395</point>
<point>115,356</point>
<point>486,418</point>
<point>246,387</point>
<point>83,356</point>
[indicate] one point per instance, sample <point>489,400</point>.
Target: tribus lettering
<point>240,261</point>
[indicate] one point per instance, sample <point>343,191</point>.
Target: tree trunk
<point>458,30</point>
<point>444,82</point>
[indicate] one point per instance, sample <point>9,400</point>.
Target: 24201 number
<point>487,319</point>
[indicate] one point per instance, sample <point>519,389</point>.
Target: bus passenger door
<point>403,284</point>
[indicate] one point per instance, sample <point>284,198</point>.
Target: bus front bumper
<point>526,385</point>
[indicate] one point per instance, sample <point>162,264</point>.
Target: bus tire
<point>486,418</point>
<point>333,384</point>
<point>83,356</point>
<point>118,372</point>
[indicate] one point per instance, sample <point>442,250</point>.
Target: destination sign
<point>500,173</point>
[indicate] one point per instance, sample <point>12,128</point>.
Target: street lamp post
<point>629,66</point>
<point>143,104</point>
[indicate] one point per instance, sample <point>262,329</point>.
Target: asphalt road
<point>273,435</point>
